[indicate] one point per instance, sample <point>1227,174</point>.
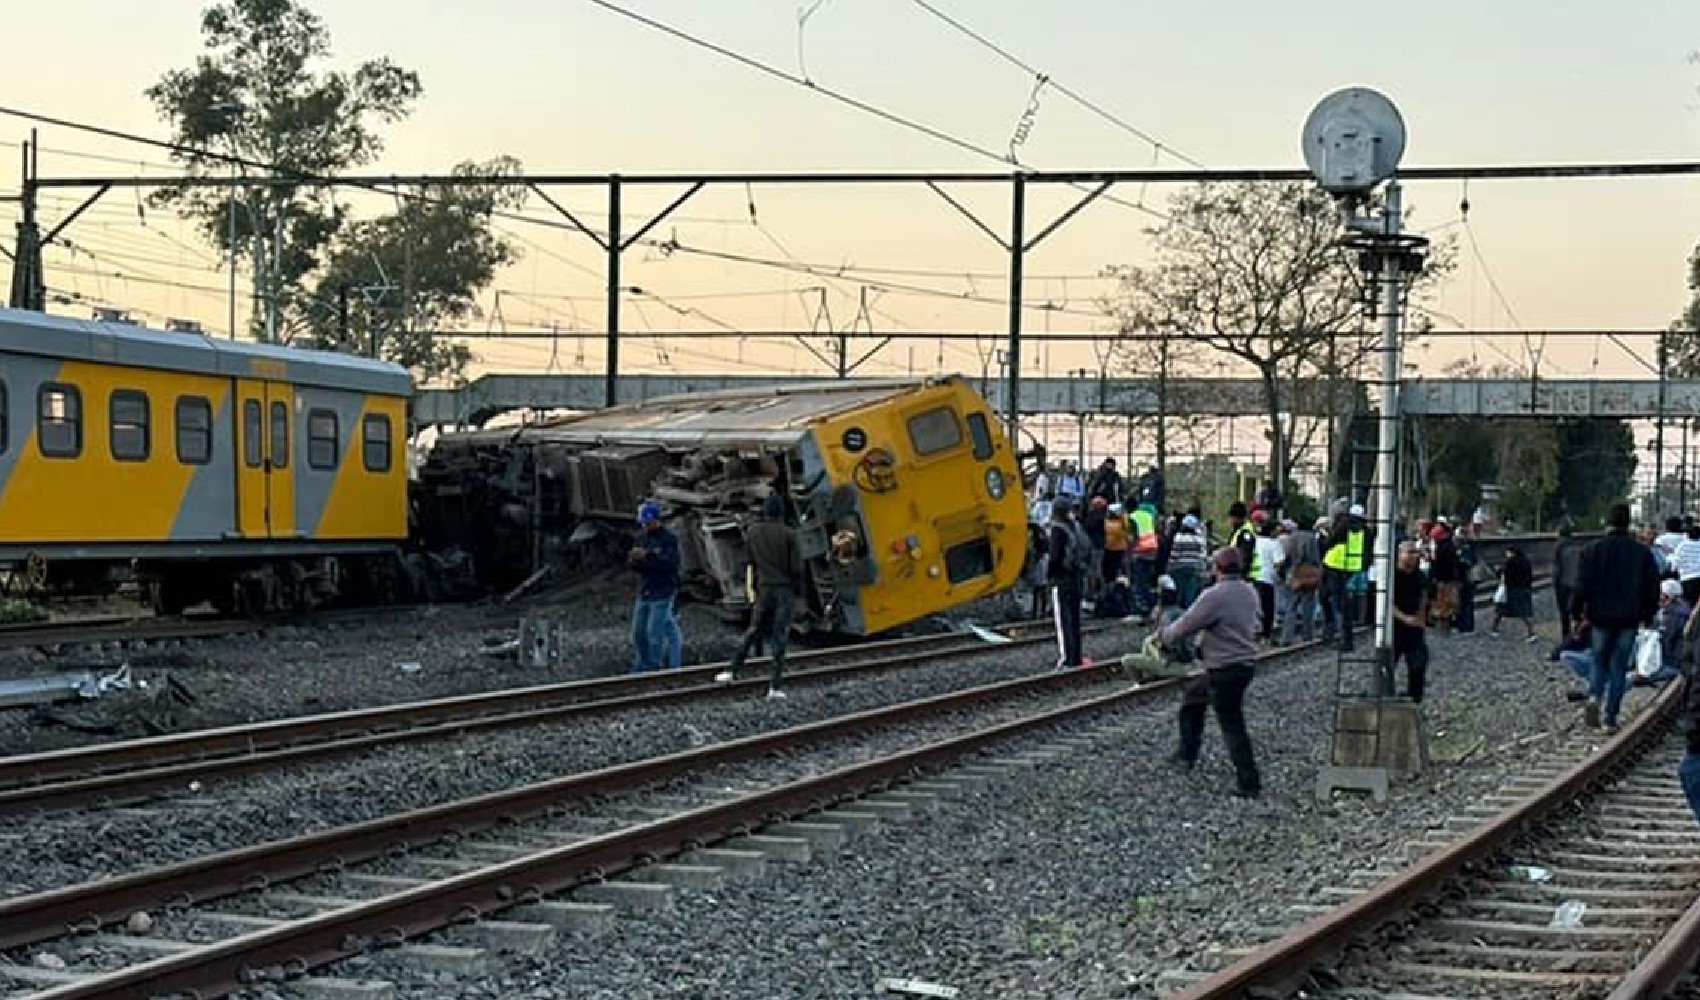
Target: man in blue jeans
<point>1619,592</point>
<point>656,639</point>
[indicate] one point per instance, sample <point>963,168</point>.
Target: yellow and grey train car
<point>254,476</point>
<point>906,494</point>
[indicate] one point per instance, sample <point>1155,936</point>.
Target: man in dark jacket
<point>1070,556</point>
<point>778,564</point>
<point>1150,489</point>
<point>656,639</point>
<point>1566,573</point>
<point>1106,482</point>
<point>1619,591</point>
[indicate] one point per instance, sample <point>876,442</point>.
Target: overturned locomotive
<point>906,495</point>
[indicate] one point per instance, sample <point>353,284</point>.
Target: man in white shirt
<point>1270,555</point>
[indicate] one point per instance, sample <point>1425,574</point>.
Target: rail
<point>1280,967</point>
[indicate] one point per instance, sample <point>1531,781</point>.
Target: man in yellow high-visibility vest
<point>1348,554</point>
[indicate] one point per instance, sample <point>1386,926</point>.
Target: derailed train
<point>906,495</point>
<point>265,478</point>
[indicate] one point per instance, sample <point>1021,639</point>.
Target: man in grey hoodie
<point>1225,615</point>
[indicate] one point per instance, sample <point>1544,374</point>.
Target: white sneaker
<point>773,693</point>
<point>723,677</point>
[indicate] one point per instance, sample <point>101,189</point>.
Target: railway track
<point>1582,880</point>
<point>465,863</point>
<point>127,771</point>
<point>119,772</point>
<point>275,911</point>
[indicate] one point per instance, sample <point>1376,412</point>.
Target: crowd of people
<point>1270,580</point>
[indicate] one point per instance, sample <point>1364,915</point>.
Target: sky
<point>569,87</point>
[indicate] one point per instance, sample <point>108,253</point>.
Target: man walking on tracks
<point>1226,616</point>
<point>1070,559</point>
<point>778,563</point>
<point>1619,591</point>
<point>656,639</point>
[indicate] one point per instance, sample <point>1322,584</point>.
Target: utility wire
<point>1052,82</point>
<point>839,96</point>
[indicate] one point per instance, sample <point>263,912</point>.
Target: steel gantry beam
<point>488,395</point>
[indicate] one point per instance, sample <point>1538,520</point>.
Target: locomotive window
<point>968,560</point>
<point>253,433</point>
<point>375,442</point>
<point>131,433</point>
<point>280,435</point>
<point>194,430</point>
<point>981,432</point>
<point>5,424</point>
<point>321,439</point>
<point>59,424</point>
<point>934,431</point>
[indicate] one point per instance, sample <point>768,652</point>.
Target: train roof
<point>41,335</point>
<point>762,415</point>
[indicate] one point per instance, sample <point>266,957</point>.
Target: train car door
<point>265,483</point>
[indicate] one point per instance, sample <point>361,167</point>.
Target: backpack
<point>1305,577</point>
<point>1077,557</point>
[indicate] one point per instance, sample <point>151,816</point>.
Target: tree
<point>1548,471</point>
<point>1254,272</point>
<point>255,94</point>
<point>406,274</point>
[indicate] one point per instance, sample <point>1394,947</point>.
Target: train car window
<point>253,434</point>
<point>321,439</point>
<point>131,428</point>
<point>59,423</point>
<point>968,560</point>
<point>981,433</point>
<point>5,423</point>
<point>194,430</point>
<point>375,442</point>
<point>935,430</point>
<point>280,435</point>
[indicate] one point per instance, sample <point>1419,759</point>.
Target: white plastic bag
<point>1649,657</point>
<point>1499,595</point>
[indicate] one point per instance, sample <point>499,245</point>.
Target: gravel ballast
<point>378,658</point>
<point>1087,877</point>
<point>72,847</point>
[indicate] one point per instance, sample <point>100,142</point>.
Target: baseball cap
<point>649,512</point>
<point>1670,588</point>
<point>1357,510</point>
<point>1190,523</point>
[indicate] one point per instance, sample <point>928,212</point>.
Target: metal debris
<point>69,686</point>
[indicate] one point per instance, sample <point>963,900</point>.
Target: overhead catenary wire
<point>891,117</point>
<point>1053,83</point>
